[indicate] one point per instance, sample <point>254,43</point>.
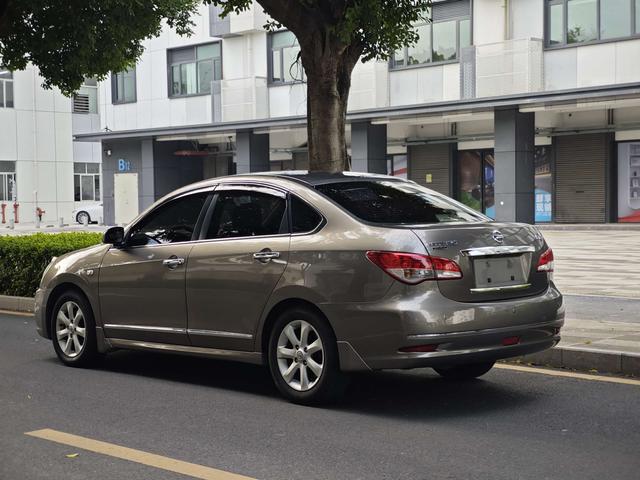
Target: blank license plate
<point>499,272</point>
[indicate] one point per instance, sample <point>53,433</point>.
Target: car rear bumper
<point>471,347</point>
<point>374,335</point>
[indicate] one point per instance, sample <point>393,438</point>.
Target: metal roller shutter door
<point>580,175</point>
<point>433,159</point>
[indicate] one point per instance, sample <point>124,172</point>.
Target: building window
<point>192,69</point>
<point>445,30</point>
<point>7,181</point>
<point>6,88</point>
<point>572,22</point>
<point>284,66</point>
<point>86,99</point>
<point>123,86</point>
<point>86,181</point>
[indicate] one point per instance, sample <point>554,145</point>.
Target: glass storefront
<point>476,182</point>
<point>629,182</point>
<point>397,165</point>
<point>543,185</point>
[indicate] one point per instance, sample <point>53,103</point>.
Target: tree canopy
<point>72,39</point>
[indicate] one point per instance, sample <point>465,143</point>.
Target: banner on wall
<point>629,182</point>
<point>544,185</point>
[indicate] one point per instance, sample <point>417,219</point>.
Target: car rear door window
<point>396,203</point>
<point>172,222</point>
<point>246,213</point>
<point>303,217</point>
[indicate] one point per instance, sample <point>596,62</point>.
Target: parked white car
<point>92,212</point>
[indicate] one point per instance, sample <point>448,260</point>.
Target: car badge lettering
<point>442,245</point>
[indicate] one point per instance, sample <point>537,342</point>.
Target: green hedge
<point>24,258</point>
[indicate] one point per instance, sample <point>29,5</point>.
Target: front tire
<point>303,358</point>
<point>465,372</point>
<point>73,330</point>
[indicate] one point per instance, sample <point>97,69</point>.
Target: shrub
<point>24,258</point>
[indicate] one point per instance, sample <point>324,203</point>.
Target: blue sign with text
<point>124,165</point>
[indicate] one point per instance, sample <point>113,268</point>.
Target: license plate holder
<point>502,271</point>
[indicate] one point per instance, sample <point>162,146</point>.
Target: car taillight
<point>413,268</point>
<point>545,264</point>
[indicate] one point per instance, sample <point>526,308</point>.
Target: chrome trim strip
<point>145,328</point>
<point>241,356</point>
<point>506,288</point>
<point>498,250</point>
<point>216,333</point>
<point>488,331</point>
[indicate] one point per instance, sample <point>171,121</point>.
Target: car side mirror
<point>114,236</point>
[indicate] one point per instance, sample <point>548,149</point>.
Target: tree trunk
<point>328,84</point>
<point>4,14</point>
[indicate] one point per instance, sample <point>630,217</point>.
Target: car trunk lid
<point>498,260</point>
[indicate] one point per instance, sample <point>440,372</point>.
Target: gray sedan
<point>313,275</point>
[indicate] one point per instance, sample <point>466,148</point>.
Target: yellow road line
<point>13,312</point>
<point>563,373</point>
<point>137,456</point>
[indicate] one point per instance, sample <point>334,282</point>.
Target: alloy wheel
<point>300,355</point>
<point>70,329</point>
<point>82,217</point>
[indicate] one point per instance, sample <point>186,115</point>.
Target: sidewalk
<point>597,262</point>
<point>46,227</point>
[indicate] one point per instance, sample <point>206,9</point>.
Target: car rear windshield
<point>396,203</point>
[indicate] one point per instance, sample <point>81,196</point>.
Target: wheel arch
<point>55,294</point>
<point>276,311</point>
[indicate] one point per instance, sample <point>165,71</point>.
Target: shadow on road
<point>414,395</point>
<point>422,394</point>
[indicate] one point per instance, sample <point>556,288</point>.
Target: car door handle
<point>265,256</point>
<point>173,262</point>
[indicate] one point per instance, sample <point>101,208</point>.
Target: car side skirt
<point>235,355</point>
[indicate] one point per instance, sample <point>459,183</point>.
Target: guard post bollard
<point>12,223</point>
<point>61,222</point>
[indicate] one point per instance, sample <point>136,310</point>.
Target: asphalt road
<point>612,309</point>
<point>393,425</point>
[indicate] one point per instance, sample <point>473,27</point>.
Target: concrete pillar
<point>368,147</point>
<point>252,152</point>
<point>146,194</point>
<point>514,170</point>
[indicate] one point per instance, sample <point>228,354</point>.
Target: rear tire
<point>303,358</point>
<point>73,330</point>
<point>465,372</point>
<point>81,216</point>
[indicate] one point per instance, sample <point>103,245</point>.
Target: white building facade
<point>40,165</point>
<point>525,109</point>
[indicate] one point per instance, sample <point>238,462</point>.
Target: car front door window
<point>173,222</point>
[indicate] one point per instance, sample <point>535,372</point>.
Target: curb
<point>585,360</point>
<point>17,304</point>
